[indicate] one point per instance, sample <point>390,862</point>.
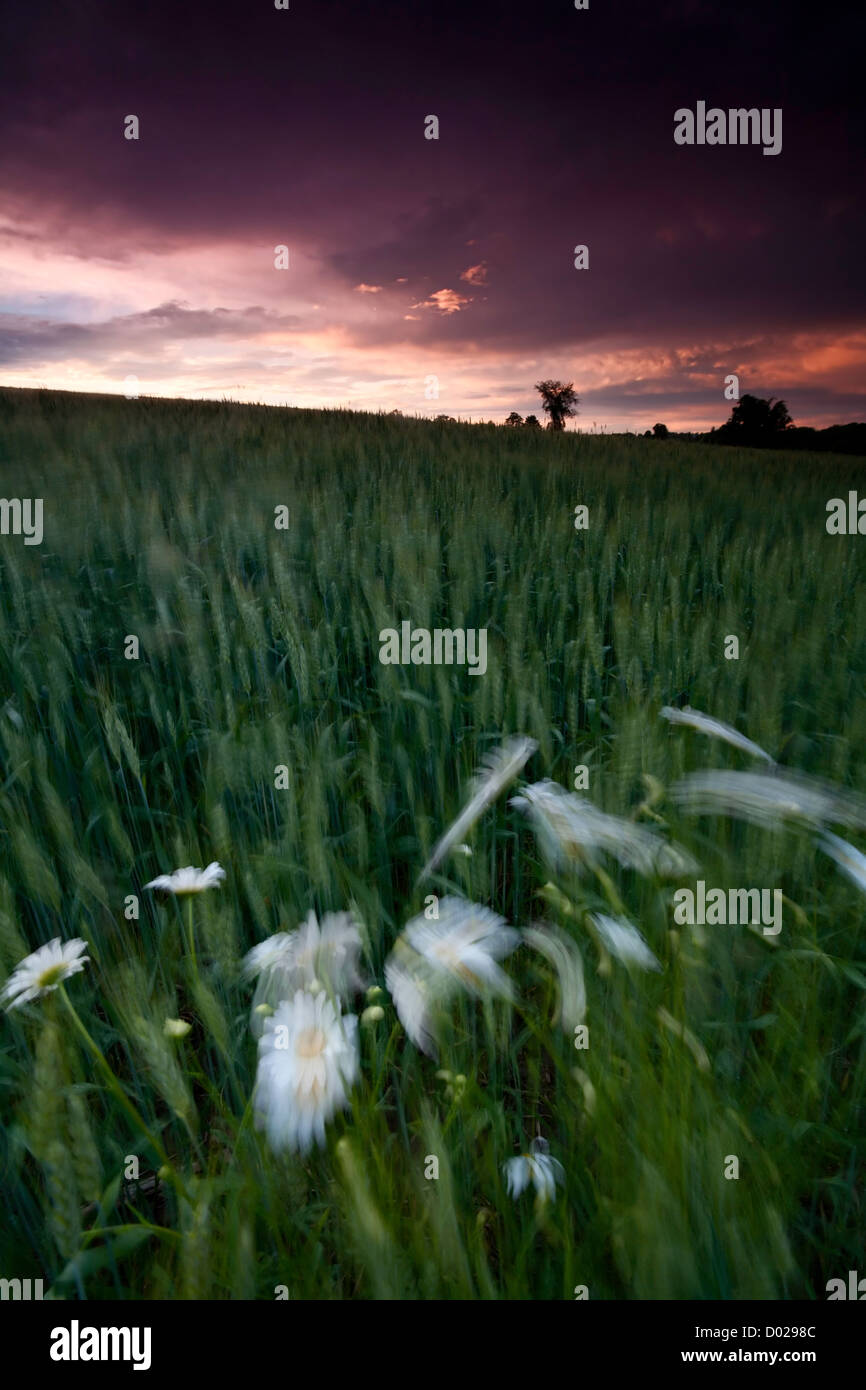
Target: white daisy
<point>716,729</point>
<point>536,1167</point>
<point>849,859</point>
<point>411,993</point>
<point>558,948</point>
<point>189,880</point>
<point>499,767</point>
<point>315,956</point>
<point>43,971</point>
<point>571,831</point>
<point>432,957</point>
<point>624,941</point>
<point>770,798</point>
<point>308,1062</point>
<point>464,944</point>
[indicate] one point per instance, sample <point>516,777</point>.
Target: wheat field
<point>257,650</point>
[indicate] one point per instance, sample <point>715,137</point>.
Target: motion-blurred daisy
<point>464,944</point>
<point>536,1167</point>
<point>432,957</point>
<point>44,970</point>
<point>326,951</point>
<point>189,880</point>
<point>572,832</point>
<point>308,1062</point>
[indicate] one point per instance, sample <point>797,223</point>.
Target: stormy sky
<point>419,266</point>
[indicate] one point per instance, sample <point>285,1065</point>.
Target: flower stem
<point>191,938</point>
<point>113,1083</point>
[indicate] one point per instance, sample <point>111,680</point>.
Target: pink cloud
<point>476,274</point>
<point>446,301</point>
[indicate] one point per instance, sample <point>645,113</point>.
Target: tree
<point>660,431</point>
<point>514,419</point>
<point>559,401</point>
<point>755,421</point>
<point>531,423</point>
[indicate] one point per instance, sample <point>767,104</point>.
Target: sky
<point>434,276</point>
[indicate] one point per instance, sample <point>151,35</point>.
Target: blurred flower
<point>325,954</point>
<point>571,830</point>
<point>374,1014</point>
<point>536,1167</point>
<point>176,1028</point>
<point>44,970</point>
<point>849,859</point>
<point>410,988</point>
<point>464,944</point>
<point>432,957</point>
<point>558,948</point>
<point>769,798</point>
<point>374,992</point>
<point>499,767</point>
<point>189,880</point>
<point>308,1062</point>
<point>715,728</point>
<point>624,941</point>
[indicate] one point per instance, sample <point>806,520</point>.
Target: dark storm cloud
<point>24,337</point>
<point>305,127</point>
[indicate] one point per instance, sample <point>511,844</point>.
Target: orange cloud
<point>447,301</point>
<point>476,274</point>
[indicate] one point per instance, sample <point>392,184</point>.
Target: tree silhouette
<point>755,421</point>
<point>660,431</point>
<point>559,401</point>
<point>531,422</point>
<point>514,419</point>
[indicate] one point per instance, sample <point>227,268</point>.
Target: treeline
<point>835,439</point>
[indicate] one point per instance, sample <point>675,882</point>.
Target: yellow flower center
<point>311,1043</point>
<point>52,976</point>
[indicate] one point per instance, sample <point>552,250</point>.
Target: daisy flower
<point>769,798</point>
<point>315,956</point>
<point>465,944</point>
<point>432,958</point>
<point>308,1062</point>
<point>623,940</point>
<point>536,1167</point>
<point>499,768</point>
<point>706,724</point>
<point>409,988</point>
<point>564,955</point>
<point>44,970</point>
<point>849,859</point>
<point>189,880</point>
<point>572,831</point>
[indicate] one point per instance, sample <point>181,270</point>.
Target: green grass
<point>258,648</point>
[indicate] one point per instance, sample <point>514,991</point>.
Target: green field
<point>259,649</point>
